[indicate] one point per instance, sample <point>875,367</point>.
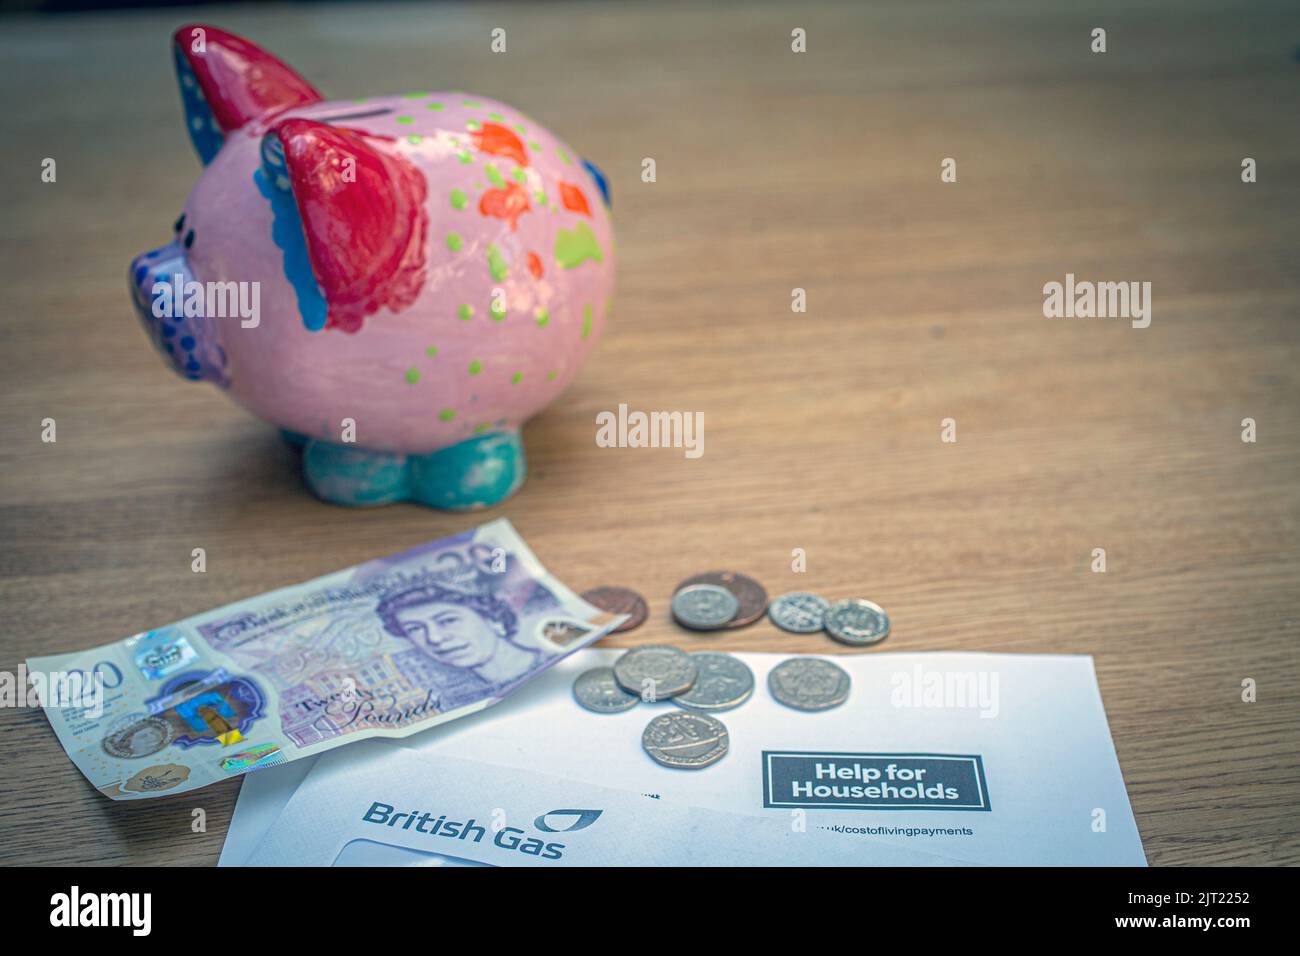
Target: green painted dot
<point>412,375</point>
<point>541,198</point>
<point>575,246</point>
<point>550,376</point>
<point>519,128</point>
<point>564,157</point>
<point>535,147</point>
<point>454,242</point>
<point>415,139</point>
<point>473,125</point>
<point>494,176</point>
<point>466,312</point>
<point>447,414</point>
<point>520,175</point>
<point>473,104</point>
<point>434,106</point>
<point>458,199</point>
<point>406,119</point>
<point>414,96</point>
<point>480,428</point>
<point>543,317</point>
<point>498,312</point>
<point>586,321</point>
<point>516,378</point>
<point>475,366</point>
<point>465,157</point>
<point>431,351</point>
<point>496,116</point>
<point>496,263</point>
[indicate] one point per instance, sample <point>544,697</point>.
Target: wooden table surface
<point>775,170</point>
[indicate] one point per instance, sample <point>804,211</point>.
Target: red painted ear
<point>238,80</point>
<point>363,217</point>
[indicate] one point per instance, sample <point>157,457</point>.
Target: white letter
<point>144,922</point>
<point>1142,306</point>
<point>162,303</point>
<point>694,444</point>
<point>253,309</point>
<point>605,433</point>
<point>1053,295</point>
<point>59,915</point>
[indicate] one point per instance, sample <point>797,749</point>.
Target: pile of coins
<point>705,683</point>
<point>718,600</point>
<point>702,683</point>
<point>853,621</point>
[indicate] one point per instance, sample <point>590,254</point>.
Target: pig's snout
<point>161,283</point>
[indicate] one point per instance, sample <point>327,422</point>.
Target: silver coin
<point>857,622</point>
<point>684,740</point>
<point>704,607</point>
<point>655,672</point>
<point>808,683</point>
<point>598,690</point>
<point>799,612</point>
<point>724,682</point>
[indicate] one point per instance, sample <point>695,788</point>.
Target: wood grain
<point>775,171</point>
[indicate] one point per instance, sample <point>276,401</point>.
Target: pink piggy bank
<point>397,282</point>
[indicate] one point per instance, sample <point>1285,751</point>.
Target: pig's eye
<point>189,239</point>
<point>180,224</point>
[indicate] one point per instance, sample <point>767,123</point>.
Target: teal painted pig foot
<point>476,473</point>
<point>348,475</point>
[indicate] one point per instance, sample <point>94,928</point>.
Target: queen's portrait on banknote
<point>383,649</point>
<point>458,631</point>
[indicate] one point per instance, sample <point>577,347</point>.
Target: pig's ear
<point>360,205</point>
<point>227,81</point>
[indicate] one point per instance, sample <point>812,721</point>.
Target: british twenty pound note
<point>387,648</point>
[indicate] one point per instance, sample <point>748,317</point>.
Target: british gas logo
<point>514,839</point>
<point>581,820</point>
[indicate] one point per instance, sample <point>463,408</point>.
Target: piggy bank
<point>398,283</point>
